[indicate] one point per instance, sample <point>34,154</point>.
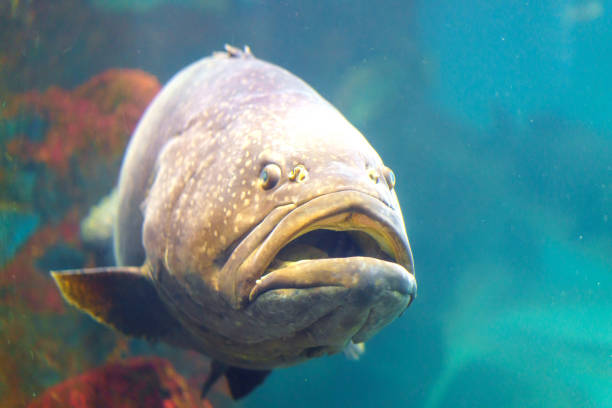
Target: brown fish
<point>267,227</point>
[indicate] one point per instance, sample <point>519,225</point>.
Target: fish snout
<point>333,269</point>
<point>375,180</point>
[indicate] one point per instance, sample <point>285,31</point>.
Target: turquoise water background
<point>496,117</point>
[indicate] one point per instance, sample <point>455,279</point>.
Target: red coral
<point>136,382</point>
<point>82,137</point>
<point>97,117</point>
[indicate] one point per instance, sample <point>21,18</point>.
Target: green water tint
<point>496,122</point>
<point>15,228</point>
<point>556,346</point>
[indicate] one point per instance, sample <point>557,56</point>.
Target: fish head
<point>286,235</point>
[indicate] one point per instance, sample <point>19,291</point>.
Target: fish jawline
<point>346,210</point>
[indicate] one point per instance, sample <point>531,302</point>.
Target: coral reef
<point>61,152</point>
<point>135,382</point>
<point>95,118</point>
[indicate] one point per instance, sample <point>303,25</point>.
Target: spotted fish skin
<point>210,131</point>
<point>266,224</point>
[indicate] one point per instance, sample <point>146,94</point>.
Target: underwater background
<point>496,117</point>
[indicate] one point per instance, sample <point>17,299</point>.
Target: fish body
<point>255,224</point>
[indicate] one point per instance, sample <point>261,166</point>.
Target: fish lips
<point>360,293</point>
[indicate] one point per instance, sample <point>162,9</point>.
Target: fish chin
<point>307,280</point>
<point>331,301</point>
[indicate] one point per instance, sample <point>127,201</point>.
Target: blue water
<point>496,118</point>
<point>498,126</point>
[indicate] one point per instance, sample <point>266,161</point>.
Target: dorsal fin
<point>235,52</point>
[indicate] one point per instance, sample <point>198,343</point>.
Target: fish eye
<point>269,176</point>
<point>389,177</point>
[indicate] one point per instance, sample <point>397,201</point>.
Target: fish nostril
<point>373,174</point>
<point>298,174</point>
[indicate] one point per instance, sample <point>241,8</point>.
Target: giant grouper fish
<point>254,224</point>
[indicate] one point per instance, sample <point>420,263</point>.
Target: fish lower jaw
<point>359,274</point>
<point>349,298</point>
<point>308,308</point>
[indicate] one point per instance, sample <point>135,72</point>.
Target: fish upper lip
<point>362,210</point>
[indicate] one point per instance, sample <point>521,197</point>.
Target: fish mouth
<point>345,256</point>
<point>347,239</point>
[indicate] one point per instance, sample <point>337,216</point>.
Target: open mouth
<point>322,257</point>
<point>347,238</point>
<point>325,243</point>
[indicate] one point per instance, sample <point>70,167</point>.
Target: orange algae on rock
<point>30,311</point>
<point>136,382</point>
<point>94,118</point>
<point>61,151</point>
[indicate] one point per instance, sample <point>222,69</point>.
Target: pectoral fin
<point>122,297</point>
<point>241,381</point>
<point>354,351</point>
